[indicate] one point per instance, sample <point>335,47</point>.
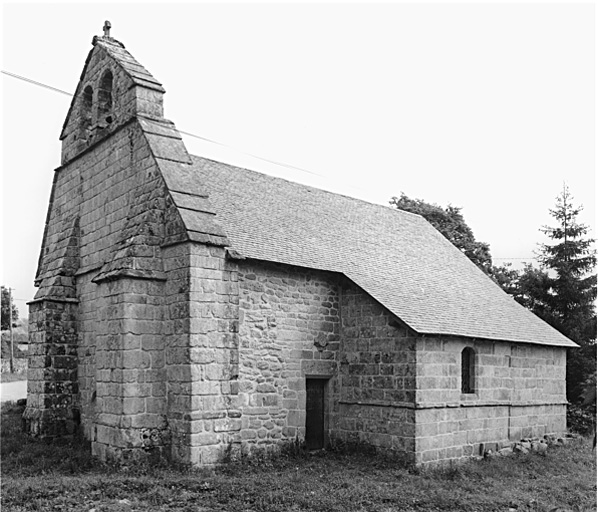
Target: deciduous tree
<point>6,302</point>
<point>450,222</point>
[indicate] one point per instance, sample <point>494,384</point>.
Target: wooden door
<point>314,420</point>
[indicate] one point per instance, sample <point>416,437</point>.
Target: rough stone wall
<point>289,326</point>
<point>89,317</point>
<point>52,384</point>
<point>377,376</point>
<point>519,392</point>
<point>91,194</point>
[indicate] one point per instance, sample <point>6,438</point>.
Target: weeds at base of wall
<point>263,456</point>
<point>235,456</point>
<point>385,457</point>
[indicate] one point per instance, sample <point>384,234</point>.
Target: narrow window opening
<point>105,98</point>
<point>85,114</point>
<point>467,370</point>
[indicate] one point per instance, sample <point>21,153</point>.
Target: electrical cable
<point>281,164</point>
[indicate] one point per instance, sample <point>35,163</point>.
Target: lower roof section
<point>396,257</point>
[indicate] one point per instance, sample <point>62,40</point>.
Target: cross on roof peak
<point>106,28</point>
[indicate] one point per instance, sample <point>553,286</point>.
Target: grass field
<point>63,477</point>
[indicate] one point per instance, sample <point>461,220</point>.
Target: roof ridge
<point>294,183</point>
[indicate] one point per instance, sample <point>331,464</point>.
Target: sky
<point>486,106</point>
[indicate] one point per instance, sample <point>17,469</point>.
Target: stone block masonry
<point>377,376</point>
<point>130,419</point>
<point>289,330</point>
<point>518,392</point>
<point>107,218</point>
<point>201,353</point>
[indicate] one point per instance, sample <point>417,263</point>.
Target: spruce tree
<point>569,293</point>
<point>570,260</point>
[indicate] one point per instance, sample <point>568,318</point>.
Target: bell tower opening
<point>85,117</point>
<point>105,100</point>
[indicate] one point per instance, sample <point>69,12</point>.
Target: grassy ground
<point>13,377</point>
<point>63,477</point>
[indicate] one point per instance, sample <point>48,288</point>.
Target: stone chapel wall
<point>109,179</point>
<point>377,376</point>
<point>289,329</point>
<point>519,392</point>
<point>116,196</point>
<point>91,194</point>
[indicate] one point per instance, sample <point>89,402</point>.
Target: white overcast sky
<point>490,107</point>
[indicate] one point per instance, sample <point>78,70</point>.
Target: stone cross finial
<point>107,27</point>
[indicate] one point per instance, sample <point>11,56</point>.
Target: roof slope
<point>395,256</point>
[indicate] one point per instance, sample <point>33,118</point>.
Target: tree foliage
<point>561,291</point>
<point>6,311</point>
<point>572,259</point>
<point>450,222</point>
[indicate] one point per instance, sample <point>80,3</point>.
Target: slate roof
<point>395,256</point>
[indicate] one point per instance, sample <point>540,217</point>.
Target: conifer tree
<point>572,259</point>
<point>568,293</point>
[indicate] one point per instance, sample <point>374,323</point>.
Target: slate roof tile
<point>395,256</point>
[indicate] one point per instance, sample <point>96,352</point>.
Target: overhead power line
<point>532,257</point>
<point>281,164</point>
<point>251,154</point>
<point>40,84</point>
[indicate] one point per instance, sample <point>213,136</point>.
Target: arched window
<point>468,370</point>
<point>105,98</point>
<point>85,113</point>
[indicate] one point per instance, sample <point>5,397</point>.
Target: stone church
<point>189,309</point>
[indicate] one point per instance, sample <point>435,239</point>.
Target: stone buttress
<point>134,285</point>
